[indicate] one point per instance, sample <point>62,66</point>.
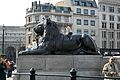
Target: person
<point>68,31</point>
<point>110,69</point>
<point>2,69</point>
<point>29,47</point>
<point>34,44</point>
<point>9,65</point>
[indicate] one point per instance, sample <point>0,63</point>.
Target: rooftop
<point>47,7</point>
<point>86,3</point>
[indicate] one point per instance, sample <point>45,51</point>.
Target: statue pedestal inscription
<point>86,65</point>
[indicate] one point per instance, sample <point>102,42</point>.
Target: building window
<point>78,10</point>
<point>86,31</point>
<point>78,21</point>
<point>118,44</point>
<point>29,29</point>
<point>104,34</point>
<point>85,11</point>
<point>118,35</point>
<point>103,17</point>
<point>103,8</point>
<point>36,18</point>
<point>92,33</point>
<point>79,31</point>
<point>111,17</point>
<point>66,10</point>
<point>111,9</point>
<point>58,9</point>
<point>85,22</point>
<point>118,18</point>
<point>118,10</point>
<point>92,23</point>
<point>92,12</point>
<point>111,25</point>
<point>110,35</point>
<point>66,19</point>
<point>104,44</point>
<point>118,26</point>
<point>83,3</point>
<point>29,19</point>
<point>111,44</point>
<point>29,39</point>
<point>46,8</point>
<point>103,24</point>
<point>58,18</point>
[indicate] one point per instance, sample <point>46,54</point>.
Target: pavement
<point>9,78</point>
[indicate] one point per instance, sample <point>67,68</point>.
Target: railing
<point>73,75</point>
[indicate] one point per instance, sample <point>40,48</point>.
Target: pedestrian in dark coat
<point>2,70</point>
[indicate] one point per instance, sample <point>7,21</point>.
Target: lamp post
<point>3,40</point>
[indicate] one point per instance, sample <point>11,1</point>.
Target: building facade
<point>101,21</point>
<point>12,40</point>
<point>61,15</point>
<point>109,24</point>
<point>85,17</point>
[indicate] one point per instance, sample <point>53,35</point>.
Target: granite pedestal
<point>85,65</point>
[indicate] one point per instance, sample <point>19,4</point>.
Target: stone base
<point>85,65</point>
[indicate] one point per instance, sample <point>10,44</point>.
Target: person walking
<point>110,69</point>
<point>2,69</point>
<point>9,65</point>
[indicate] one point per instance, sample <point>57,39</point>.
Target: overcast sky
<point>12,12</point>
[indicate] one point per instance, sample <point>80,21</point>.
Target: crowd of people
<point>6,67</point>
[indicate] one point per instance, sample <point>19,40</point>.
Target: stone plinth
<point>86,65</point>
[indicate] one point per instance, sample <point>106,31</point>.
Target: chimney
<point>39,2</point>
<point>32,4</point>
